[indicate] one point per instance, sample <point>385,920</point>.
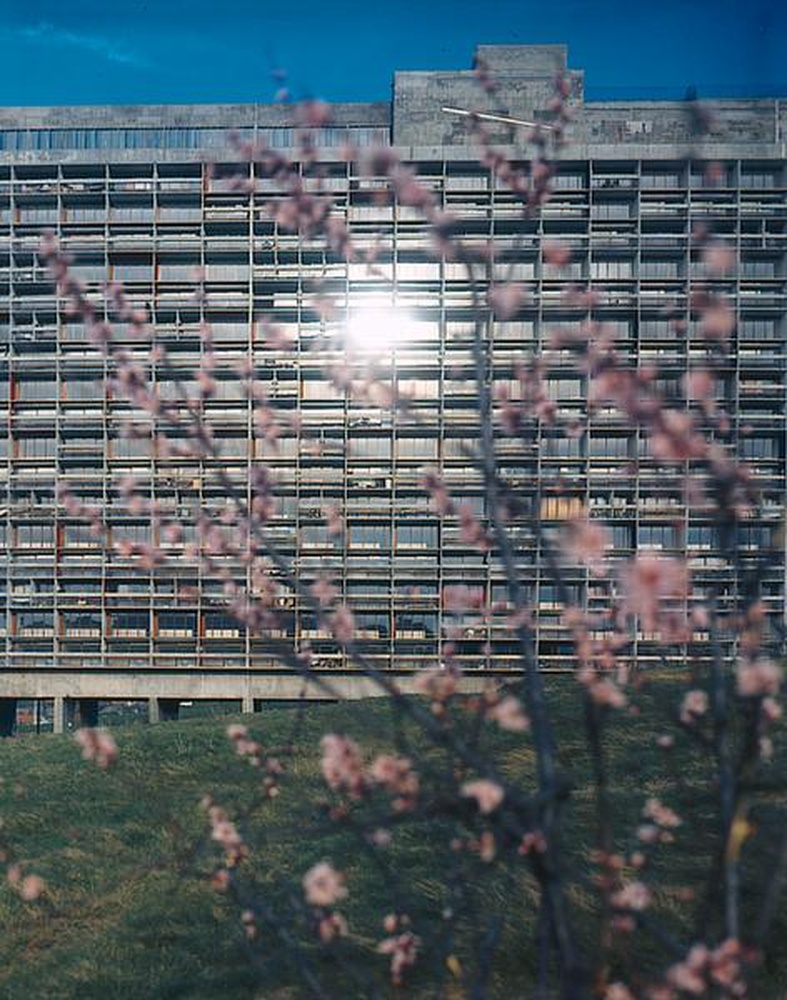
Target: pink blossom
<point>333,519</point>
<point>719,258</point>
<point>758,677</point>
<point>617,991</point>
<point>693,706</point>
<point>471,529</point>
<point>225,833</point>
<point>646,581</point>
<point>396,775</point>
<point>605,692</point>
<point>581,298</point>
<point>505,300</point>
<point>725,965</point>
<point>249,922</point>
<point>557,254</point>
<point>487,794</point>
<point>690,974</point>
<point>343,624</point>
<point>31,887</point>
<point>699,384</point>
<point>403,949</point>
<point>440,500</point>
<point>323,591</point>
<point>277,338</point>
<point>675,439</point>
<point>718,320</point>
<point>332,926</point>
<point>97,745</point>
<point>660,814</point>
<point>509,714</point>
<point>484,77</point>
<point>323,885</point>
<point>245,746</point>
<point>586,541</point>
<point>438,684</point>
<point>458,599</point>
<point>410,191</point>
<point>535,841</point>
<point>633,896</point>
<point>313,114</point>
<point>342,767</point>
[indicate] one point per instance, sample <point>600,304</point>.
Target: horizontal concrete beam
<point>187,687</point>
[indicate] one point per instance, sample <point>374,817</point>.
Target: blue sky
<point>135,51</point>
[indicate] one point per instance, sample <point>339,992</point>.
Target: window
<point>34,389</point>
<point>79,624</point>
<point>759,329</point>
<point>220,625</point>
<point>608,447</point>
<point>370,447</point>
<point>416,448</point>
<point>176,624</point>
<point>32,624</point>
<point>415,625</point>
<point>658,269</point>
<point>657,536</point>
<point>759,447</point>
<point>758,537</point>
<point>611,210</point>
<point>622,536</point>
<point>416,536</point>
<point>38,447</point>
<point>369,536</point>
<point>83,390</point>
<point>315,536</point>
<point>130,624</point>
<point>564,389</point>
<point>603,270</point>
<point>81,536</point>
<point>662,179</point>
<point>34,536</point>
<point>372,625</point>
<point>562,447</point>
<point>758,178</point>
<point>700,537</point>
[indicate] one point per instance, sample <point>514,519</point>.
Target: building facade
<point>148,196</point>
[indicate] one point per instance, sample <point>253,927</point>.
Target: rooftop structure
<point>148,196</point>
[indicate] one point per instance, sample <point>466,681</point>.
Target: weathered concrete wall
<point>109,686</point>
<point>223,116</point>
<point>524,75</point>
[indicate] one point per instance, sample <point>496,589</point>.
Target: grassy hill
<point>129,912</point>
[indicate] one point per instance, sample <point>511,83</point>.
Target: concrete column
<point>7,716</point>
<point>59,714</point>
<point>88,712</point>
<point>249,706</point>
<point>153,713</point>
<point>168,709</point>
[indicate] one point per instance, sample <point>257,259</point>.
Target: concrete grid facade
<point>141,196</point>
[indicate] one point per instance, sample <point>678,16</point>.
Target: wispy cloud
<point>47,34</point>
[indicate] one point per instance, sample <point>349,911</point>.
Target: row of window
<point>45,139</point>
<point>603,176</point>
<point>210,271</point>
<point>380,448</point>
<point>385,536</point>
<point>40,326</point>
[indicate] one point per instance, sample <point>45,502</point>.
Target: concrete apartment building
<point>141,195</point>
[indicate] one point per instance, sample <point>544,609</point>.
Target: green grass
<point>129,912</point>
